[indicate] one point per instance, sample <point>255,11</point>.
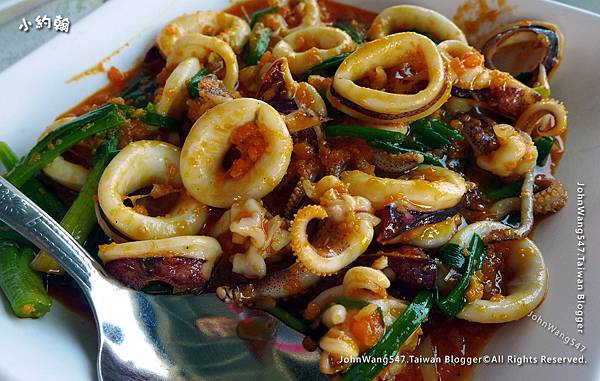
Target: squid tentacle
<point>281,284</point>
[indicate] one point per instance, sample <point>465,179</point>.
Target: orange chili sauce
<point>449,336</point>
<point>118,82</point>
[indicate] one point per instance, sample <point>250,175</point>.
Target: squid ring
<point>208,142</point>
<point>526,289</point>
<point>530,120</point>
<point>141,164</point>
<point>516,154</point>
<point>497,90</point>
<point>307,10</point>
<point>175,90</point>
<point>199,46</point>
<point>402,18</point>
<point>481,228</point>
<point>380,106</point>
<point>311,13</point>
<point>198,247</point>
<point>310,46</point>
<point>229,28</point>
<point>475,77</point>
<point>324,262</point>
<point>200,252</point>
<point>67,174</point>
<point>359,279</point>
<point>426,188</point>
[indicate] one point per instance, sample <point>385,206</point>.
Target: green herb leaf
<point>392,340</point>
<point>192,86</point>
<point>364,132</point>
<point>543,91</point>
<point>544,145</point>
<point>290,319</point>
<point>395,148</point>
<point>258,43</point>
<point>455,301</point>
<point>451,254</point>
<point>495,193</point>
<point>351,303</point>
<point>328,65</point>
<point>353,33</point>
<point>258,14</point>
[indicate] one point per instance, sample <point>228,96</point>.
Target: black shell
<point>550,59</point>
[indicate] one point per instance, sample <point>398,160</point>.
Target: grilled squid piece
<point>229,28</point>
<point>183,262</point>
<point>346,233</point>
<point>300,102</point>
<point>291,281</point>
<point>526,289</point>
<point>200,46</point>
<point>152,162</point>
<point>403,18</point>
<point>497,90</point>
<point>515,156</point>
<point>380,105</point>
<point>543,40</point>
<point>174,93</point>
<point>425,188</point>
<point>353,331</point>
<point>250,223</point>
<point>61,171</point>
<point>310,46</point>
<point>544,118</point>
<point>260,135</point>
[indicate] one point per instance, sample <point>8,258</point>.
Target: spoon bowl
<point>164,337</point>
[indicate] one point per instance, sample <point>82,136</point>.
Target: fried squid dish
<point>374,176</point>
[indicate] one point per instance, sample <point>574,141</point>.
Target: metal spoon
<point>164,337</point>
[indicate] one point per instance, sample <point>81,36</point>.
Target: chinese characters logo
<point>60,24</point>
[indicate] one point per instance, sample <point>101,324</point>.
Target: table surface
<point>16,44</point>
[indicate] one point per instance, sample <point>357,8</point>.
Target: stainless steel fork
<point>163,337</point>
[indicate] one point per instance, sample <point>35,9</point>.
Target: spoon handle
<point>25,217</point>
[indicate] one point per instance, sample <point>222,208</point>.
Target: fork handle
<point>29,220</point>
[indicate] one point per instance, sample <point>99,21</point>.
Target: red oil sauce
<point>330,11</point>
<point>70,296</point>
<point>459,338</point>
<point>113,89</point>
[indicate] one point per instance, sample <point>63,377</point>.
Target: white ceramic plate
<point>62,346</point>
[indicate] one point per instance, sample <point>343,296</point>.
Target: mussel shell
<point>553,48</point>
